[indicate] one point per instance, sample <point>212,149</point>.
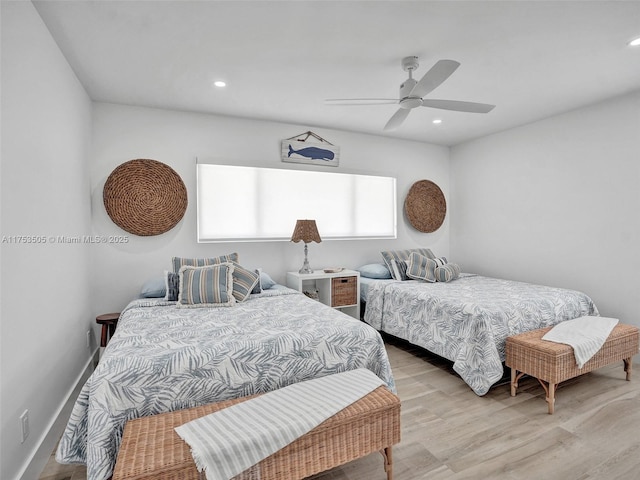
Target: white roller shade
<point>257,204</point>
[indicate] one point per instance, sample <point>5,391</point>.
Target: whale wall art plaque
<point>299,150</point>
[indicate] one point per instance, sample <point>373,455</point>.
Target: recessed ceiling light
<point>437,121</point>
<point>219,83</point>
<point>635,42</point>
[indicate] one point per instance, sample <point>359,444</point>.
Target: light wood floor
<point>449,433</point>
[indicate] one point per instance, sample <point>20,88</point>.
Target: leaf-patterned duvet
<point>468,319</point>
<point>164,358</point>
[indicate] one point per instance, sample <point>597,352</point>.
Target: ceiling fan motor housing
<point>407,101</point>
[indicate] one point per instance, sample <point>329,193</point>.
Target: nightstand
<point>109,321</point>
<point>340,290</point>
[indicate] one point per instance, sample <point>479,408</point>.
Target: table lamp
<point>306,231</point>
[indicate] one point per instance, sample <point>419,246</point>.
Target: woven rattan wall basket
<point>145,197</point>
<point>425,206</point>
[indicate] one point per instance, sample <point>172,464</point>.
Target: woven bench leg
<point>551,398</point>
<point>515,376</point>
<point>550,390</point>
<point>388,462</point>
<point>627,367</point>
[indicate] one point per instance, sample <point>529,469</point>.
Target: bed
<point>467,319</point>
<point>163,358</point>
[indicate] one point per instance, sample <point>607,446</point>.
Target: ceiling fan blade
<point>470,107</point>
<point>360,101</point>
<point>434,77</point>
<point>396,120</point>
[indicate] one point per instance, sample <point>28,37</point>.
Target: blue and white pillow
<point>375,270</point>
<point>208,286</point>
<point>440,261</point>
<point>266,281</point>
<point>154,288</point>
<point>392,259</point>
<point>178,262</point>
<point>447,272</point>
<point>244,281</point>
<point>257,288</point>
<point>399,269</point>
<point>420,267</point>
<point>172,286</point>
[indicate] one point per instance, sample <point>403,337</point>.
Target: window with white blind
<point>259,204</point>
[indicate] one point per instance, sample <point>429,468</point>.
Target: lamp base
<point>305,266</point>
<point>305,269</point>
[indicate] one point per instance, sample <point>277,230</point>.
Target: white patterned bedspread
<point>468,319</point>
<point>163,358</point>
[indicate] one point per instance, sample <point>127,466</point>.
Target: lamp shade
<point>306,231</point>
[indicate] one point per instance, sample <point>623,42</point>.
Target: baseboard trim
<point>48,441</point>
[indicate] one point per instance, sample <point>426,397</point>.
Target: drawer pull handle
<point>344,280</point>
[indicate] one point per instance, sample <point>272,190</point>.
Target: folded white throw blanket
<point>585,334</point>
<point>230,441</point>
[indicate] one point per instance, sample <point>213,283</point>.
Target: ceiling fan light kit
<point>412,93</point>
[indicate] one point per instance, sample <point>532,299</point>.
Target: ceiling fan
<point>412,93</point>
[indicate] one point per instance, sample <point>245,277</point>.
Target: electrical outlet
<point>24,423</point>
<point>88,338</point>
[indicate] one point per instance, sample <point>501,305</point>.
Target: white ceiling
<point>532,59</point>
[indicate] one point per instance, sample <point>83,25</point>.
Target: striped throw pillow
<point>399,269</point>
<point>257,288</point>
<point>447,272</point>
<point>420,267</point>
<point>209,286</point>
<point>440,261</point>
<point>243,282</point>
<point>178,262</point>
<point>390,256</point>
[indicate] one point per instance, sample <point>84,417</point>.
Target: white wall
<point>123,133</point>
<point>556,202</point>
<point>46,310</point>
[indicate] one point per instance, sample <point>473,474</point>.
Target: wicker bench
<point>551,362</point>
<point>151,449</point>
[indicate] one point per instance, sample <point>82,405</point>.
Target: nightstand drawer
<point>344,291</point>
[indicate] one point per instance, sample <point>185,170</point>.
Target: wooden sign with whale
<point>299,150</point>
